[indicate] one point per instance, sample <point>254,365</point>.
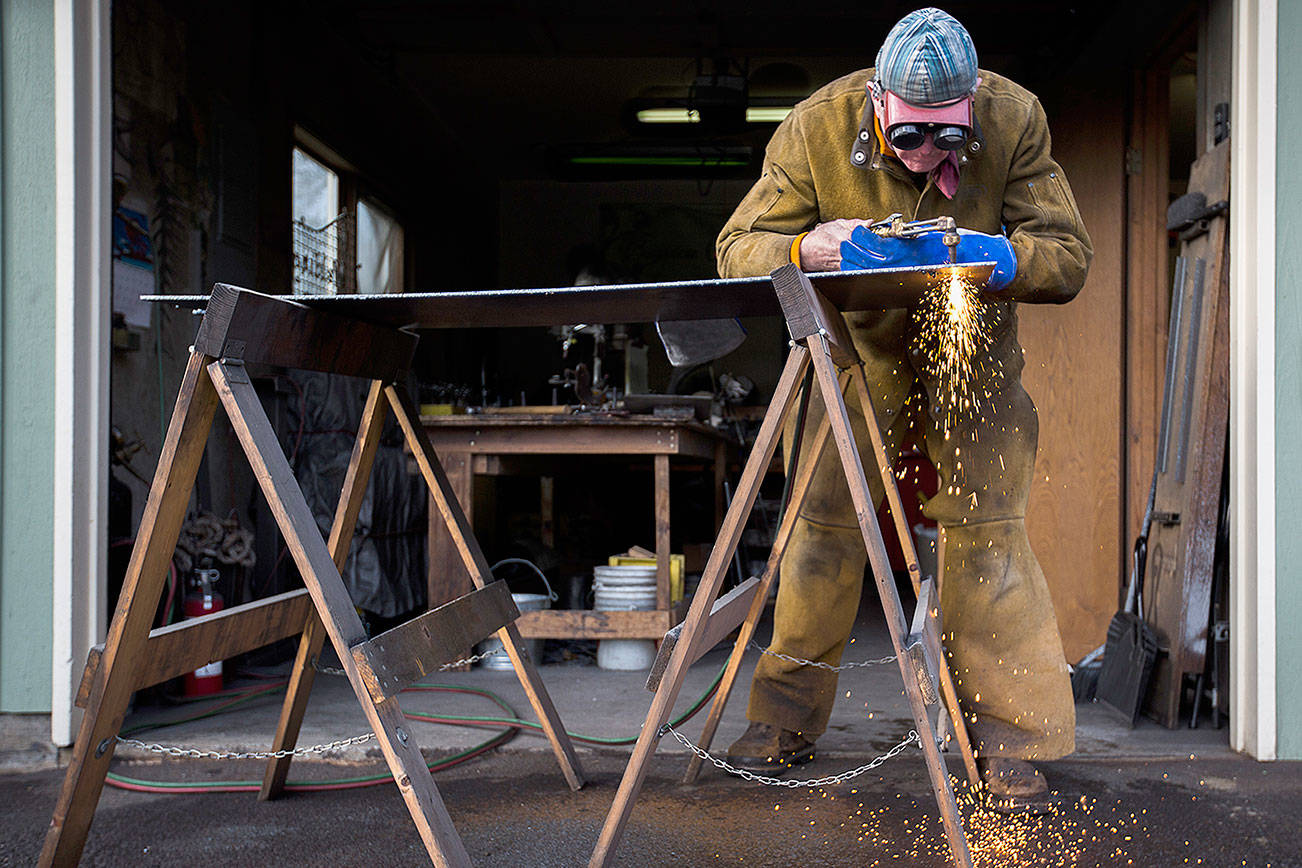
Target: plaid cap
<point>928,58</point>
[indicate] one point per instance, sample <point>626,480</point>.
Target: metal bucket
<point>525,603</point>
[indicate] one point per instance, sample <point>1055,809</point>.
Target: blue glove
<point>867,249</point>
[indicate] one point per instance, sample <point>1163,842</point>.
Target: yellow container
<point>677,565</point>
<point>442,410</point>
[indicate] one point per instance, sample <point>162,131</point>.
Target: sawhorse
<point>242,328</point>
<point>819,337</point>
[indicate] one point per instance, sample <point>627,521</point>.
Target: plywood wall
<point>1074,373</point>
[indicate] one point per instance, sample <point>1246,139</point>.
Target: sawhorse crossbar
<point>819,337</point>
<point>242,328</point>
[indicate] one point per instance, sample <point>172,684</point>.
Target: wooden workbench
<point>493,443</point>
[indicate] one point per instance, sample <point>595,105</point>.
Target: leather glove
<point>867,249</point>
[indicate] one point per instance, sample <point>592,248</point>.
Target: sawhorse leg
<point>895,620</point>
<point>160,526</point>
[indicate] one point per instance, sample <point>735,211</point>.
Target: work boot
<point>1014,786</point>
<point>767,749</point>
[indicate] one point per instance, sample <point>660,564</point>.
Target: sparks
<point>952,336</point>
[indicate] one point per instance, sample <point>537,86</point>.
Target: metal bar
<point>1190,369</point>
<point>872,289</point>
<point>1172,353</point>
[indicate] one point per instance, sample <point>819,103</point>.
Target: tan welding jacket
<point>1003,640</point>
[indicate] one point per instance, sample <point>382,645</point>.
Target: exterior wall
<point>27,340</point>
<point>1288,385</point>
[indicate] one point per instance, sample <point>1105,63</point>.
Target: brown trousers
<point>999,626</point>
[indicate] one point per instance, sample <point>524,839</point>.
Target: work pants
<point>999,627</point>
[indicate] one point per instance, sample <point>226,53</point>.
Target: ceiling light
<point>668,116</point>
<point>767,114</point>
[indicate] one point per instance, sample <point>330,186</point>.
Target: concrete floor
<point>1146,796</point>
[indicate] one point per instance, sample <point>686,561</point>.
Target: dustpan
<point>1131,650</point>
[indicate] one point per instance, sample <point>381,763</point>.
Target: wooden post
<point>663,550</point>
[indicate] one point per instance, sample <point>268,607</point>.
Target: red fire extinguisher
<point>206,679</point>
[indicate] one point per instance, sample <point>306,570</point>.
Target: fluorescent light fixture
<point>668,116</point>
<point>767,114</point>
<point>755,114</point>
<point>651,160</point>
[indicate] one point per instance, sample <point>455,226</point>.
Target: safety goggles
<point>907,126</point>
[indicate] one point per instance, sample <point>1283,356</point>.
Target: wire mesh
<point>324,257</point>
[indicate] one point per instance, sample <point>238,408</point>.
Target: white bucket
<point>525,603</point>
<point>624,589</point>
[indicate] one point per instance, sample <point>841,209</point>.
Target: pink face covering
<point>897,111</point>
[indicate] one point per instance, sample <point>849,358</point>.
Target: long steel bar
<point>873,289</point>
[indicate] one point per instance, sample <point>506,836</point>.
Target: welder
<point>923,134</point>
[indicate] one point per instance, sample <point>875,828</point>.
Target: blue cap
<point>928,58</point>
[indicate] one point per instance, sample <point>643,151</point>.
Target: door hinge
<point>1134,161</point>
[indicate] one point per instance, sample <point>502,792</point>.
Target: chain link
<point>196,753</point>
<point>830,780</point>
<point>464,661</point>
<point>818,664</point>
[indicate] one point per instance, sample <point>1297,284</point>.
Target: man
<point>923,134</point>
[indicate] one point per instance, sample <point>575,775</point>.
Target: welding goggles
<point>906,126</point>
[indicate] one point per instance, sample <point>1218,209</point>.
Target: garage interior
<point>497,145</point>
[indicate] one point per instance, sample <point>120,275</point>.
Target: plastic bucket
<point>525,603</point>
<point>624,589</point>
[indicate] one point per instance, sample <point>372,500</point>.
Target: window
<point>342,243</point>
<point>379,249</point>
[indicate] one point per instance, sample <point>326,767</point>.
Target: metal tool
<point>895,226</point>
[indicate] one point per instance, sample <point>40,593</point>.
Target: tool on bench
<point>895,226</point>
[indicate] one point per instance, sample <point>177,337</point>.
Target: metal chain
<point>195,753</point>
<point>818,663</point>
<point>911,738</point>
<point>464,661</point>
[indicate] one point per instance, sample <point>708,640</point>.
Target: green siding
<point>1288,385</point>
<point>26,353</point>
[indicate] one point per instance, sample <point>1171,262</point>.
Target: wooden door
<point>1074,373</point>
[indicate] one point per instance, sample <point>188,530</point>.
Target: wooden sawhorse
<point>241,327</point>
<point>819,337</point>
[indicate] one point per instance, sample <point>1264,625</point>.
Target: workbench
<point>493,444</point>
